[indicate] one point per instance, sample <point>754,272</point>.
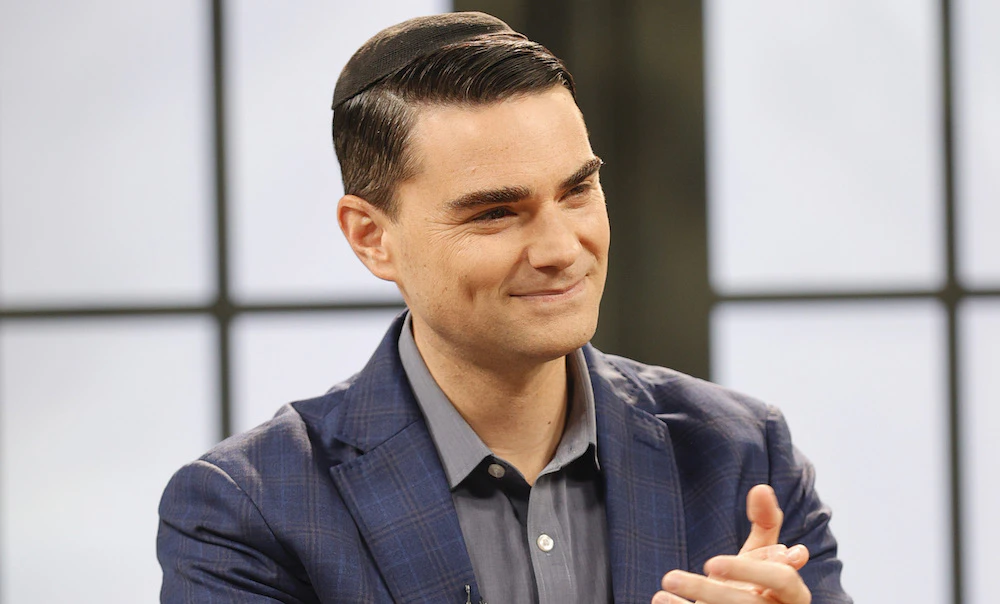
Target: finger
<point>795,556</point>
<point>662,597</point>
<point>798,555</point>
<point>765,518</point>
<point>780,582</point>
<point>705,590</point>
<point>775,553</point>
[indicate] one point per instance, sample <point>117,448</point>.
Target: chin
<point>565,335</point>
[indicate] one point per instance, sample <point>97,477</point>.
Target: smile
<point>554,294</point>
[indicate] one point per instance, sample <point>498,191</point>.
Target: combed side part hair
<point>371,130</point>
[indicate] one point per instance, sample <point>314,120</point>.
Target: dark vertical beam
<point>551,21</point>
<point>658,197</point>
<point>952,297</point>
<point>639,69</point>
<point>223,307</point>
<point>639,65</point>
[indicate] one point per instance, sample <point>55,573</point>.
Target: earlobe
<point>364,227</point>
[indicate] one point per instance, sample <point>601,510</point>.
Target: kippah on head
<point>395,47</point>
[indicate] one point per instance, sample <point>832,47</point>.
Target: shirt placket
<point>548,544</point>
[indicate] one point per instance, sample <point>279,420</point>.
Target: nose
<point>553,241</point>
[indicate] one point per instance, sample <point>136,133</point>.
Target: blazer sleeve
<point>807,519</point>
<point>215,546</point>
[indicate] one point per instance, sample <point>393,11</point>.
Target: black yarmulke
<point>397,46</point>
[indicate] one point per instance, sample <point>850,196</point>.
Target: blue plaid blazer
<point>342,498</point>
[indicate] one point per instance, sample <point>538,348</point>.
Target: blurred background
<point>804,197</point>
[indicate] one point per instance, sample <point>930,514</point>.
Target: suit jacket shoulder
<point>342,498</point>
<point>722,443</point>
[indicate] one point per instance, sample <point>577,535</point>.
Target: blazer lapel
<point>396,490</point>
<point>643,495</point>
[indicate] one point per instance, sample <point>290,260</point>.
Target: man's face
<point>501,243</point>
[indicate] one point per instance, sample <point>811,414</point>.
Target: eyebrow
<point>504,195</point>
<point>586,171</point>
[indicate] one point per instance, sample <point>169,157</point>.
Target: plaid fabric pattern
<point>343,499</point>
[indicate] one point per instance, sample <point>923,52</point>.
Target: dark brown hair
<point>371,130</point>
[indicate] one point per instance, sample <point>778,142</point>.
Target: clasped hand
<point>764,571</point>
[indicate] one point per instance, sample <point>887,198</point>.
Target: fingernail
<point>795,554</point>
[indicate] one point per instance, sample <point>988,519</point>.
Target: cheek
<point>595,233</point>
<point>453,270</point>
<point>483,269</point>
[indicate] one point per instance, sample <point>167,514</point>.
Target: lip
<point>553,294</point>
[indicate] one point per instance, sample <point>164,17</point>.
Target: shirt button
<point>545,543</point>
<point>496,470</point>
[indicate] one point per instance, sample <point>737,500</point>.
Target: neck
<point>517,409</point>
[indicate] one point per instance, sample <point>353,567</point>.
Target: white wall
<point>825,173</point>
<point>826,163</point>
<point>107,200</point>
<point>863,386</point>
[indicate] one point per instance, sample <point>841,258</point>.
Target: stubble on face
<point>501,241</point>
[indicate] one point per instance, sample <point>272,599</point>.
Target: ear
<point>364,227</point>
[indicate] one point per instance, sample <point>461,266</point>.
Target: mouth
<point>552,294</point>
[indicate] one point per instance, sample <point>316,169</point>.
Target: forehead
<point>527,140</point>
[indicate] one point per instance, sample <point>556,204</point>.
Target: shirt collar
<point>460,448</point>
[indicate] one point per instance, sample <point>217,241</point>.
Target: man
<point>487,452</point>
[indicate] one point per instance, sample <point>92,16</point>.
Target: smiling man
<point>487,452</point>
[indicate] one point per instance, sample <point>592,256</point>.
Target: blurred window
<point>123,355</point>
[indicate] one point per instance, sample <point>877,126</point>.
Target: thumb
<point>765,518</point>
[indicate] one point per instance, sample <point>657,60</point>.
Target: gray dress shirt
<point>545,543</point>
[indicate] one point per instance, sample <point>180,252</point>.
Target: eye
<point>494,214</point>
<point>579,189</point>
